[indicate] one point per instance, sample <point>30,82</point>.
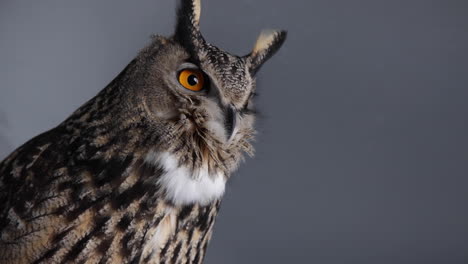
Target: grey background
<point>362,150</point>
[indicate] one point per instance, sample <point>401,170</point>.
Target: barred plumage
<point>137,173</point>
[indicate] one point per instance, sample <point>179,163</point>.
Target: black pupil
<point>192,80</point>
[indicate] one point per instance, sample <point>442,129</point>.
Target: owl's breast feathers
<point>64,201</point>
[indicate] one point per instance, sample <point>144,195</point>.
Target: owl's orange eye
<point>191,79</point>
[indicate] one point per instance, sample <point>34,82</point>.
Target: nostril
<point>230,121</point>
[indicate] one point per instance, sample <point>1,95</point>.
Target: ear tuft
<point>264,40</point>
<point>268,42</point>
<point>196,11</point>
<point>188,13</point>
<point>187,31</point>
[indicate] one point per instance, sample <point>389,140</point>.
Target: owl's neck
<point>182,185</point>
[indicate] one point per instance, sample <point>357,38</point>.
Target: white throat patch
<point>181,186</point>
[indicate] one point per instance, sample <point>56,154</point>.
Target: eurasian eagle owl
<point>136,174</point>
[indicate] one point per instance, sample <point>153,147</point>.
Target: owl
<point>136,174</point>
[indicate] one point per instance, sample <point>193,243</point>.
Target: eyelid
<point>187,65</point>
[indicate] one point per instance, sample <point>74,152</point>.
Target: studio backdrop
<point>362,147</point>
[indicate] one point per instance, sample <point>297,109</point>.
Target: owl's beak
<point>230,121</point>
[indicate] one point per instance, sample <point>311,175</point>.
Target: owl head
<point>196,97</point>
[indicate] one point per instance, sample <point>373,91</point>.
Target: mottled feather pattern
<point>98,189</point>
<point>103,210</point>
